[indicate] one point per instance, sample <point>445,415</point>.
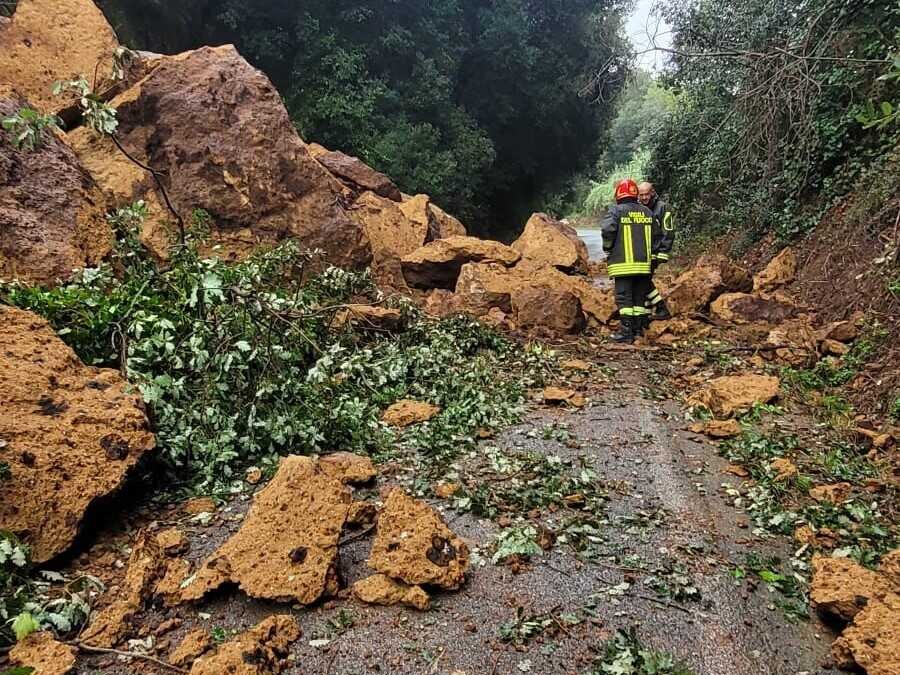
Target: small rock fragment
<point>199,505</point>
<point>724,396</point>
<point>348,468</point>
<point>837,493</point>
<point>171,541</point>
<point>44,654</point>
<point>259,651</point>
<point>718,428</point>
<point>254,475</point>
<point>361,514</point>
<point>784,469</point>
<point>379,589</point>
<point>558,395</point>
<point>414,544</point>
<point>445,490</point>
<point>407,412</point>
<point>195,644</point>
<point>834,347</point>
<point>576,365</point>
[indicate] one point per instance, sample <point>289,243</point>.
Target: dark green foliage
<point>624,654</point>
<point>763,140</point>
<point>239,363</point>
<point>474,102</point>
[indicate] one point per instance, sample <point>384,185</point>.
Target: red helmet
<point>625,189</point>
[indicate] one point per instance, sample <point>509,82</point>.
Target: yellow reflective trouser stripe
<point>629,245</point>
<point>640,311</point>
<point>627,311</point>
<point>662,256</point>
<point>628,269</point>
<point>653,294</point>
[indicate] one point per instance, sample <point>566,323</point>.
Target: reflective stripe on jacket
<point>663,247</point>
<point>629,234</point>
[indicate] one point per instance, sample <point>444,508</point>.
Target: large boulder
<point>224,144</point>
<point>481,286</point>
<point>549,242</point>
<point>549,308</point>
<point>52,214</point>
<point>710,277</point>
<point>287,547</point>
<point>597,304</point>
<point>871,642</point>
<point>745,308</point>
<point>391,232</point>
<point>725,396</point>
<point>70,434</point>
<point>438,263</point>
<point>357,175</point>
<point>841,588</point>
<point>780,271</point>
<point>50,40</point>
<point>444,225</point>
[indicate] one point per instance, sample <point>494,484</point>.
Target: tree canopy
<point>474,102</point>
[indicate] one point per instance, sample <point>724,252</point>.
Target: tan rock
<point>889,568</point>
<point>171,541</point>
<point>356,174</point>
<point>780,271</point>
<point>72,434</point>
<point>784,469</point>
<point>709,278</point>
<point>577,365</point>
<point>368,317</point>
<point>871,641</point>
<point>834,347</point>
<point>484,286</point>
<point>840,331</point>
<point>286,549</point>
<point>548,308</point>
<point>259,651</point>
<point>442,303</point>
<point>795,340</point>
<point>551,243</point>
<point>446,490</point>
<point>718,429</point>
<point>253,174</point>
<point>406,413</point>
<point>438,263</point>
<point>414,545</point>
<point>42,653</point>
<point>379,589</point>
<point>348,468</point>
<point>841,588</point>
<point>742,308</point>
<point>558,395</point>
<point>724,396</point>
<point>361,514</point>
<point>824,538</point>
<point>737,470</point>
<point>199,505</point>
<point>391,232</point>
<point>50,40</point>
<point>444,225</point>
<point>837,493</point>
<point>192,646</point>
<point>52,213</point>
<point>253,475</point>
<point>663,332</point>
<point>598,305</point>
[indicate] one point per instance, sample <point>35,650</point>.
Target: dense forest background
<point>475,102</point>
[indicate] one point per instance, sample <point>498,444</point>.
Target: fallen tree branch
<point>131,655</point>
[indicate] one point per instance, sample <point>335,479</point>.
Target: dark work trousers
<point>631,295</point>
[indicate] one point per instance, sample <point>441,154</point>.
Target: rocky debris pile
<point>68,432</point>
<point>712,275</point>
<point>354,173</point>
<point>262,650</point>
<point>50,40</point>
<point>546,242</point>
<point>52,214</point>
<point>869,602</point>
<point>43,654</point>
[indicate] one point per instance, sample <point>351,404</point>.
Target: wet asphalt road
<point>664,506</point>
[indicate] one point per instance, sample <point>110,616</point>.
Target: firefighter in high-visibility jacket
<point>629,233</point>
<point>663,248</point>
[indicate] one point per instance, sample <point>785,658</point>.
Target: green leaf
<point>887,108</point>
<point>18,670</point>
<point>24,625</point>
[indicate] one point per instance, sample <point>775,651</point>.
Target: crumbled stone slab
<point>379,589</point>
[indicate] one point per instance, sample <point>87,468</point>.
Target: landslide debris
<point>405,413</point>
<point>286,549</point>
<point>225,145</point>
<point>870,601</point>
<point>780,271</point>
<point>414,545</point>
<point>438,263</point>
<point>348,468</point>
<point>50,40</point>
<point>355,173</point>
<point>546,242</point>
<point>367,316</point>
<point>71,433</point>
<point>259,651</point>
<point>42,653</point>
<point>724,396</point>
<point>742,308</point>
<point>711,276</point>
<point>718,428</point>
<point>379,589</point>
<point>52,214</point>
<point>193,645</point>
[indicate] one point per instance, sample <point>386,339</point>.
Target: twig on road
<point>131,655</point>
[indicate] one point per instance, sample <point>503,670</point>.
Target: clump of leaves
<point>672,581</point>
<point>791,587</point>
<point>27,128</point>
<point>239,363</point>
<point>521,542</point>
<point>96,113</point>
<point>30,603</point>
<point>524,627</point>
<point>625,655</point>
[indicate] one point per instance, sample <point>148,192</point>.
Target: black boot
<point>642,323</point>
<point>660,312</point>
<point>626,330</point>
